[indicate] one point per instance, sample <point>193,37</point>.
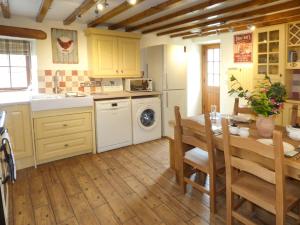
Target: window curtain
<point>14,47</point>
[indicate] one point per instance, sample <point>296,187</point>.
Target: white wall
<point>193,68</point>
<point>43,47</point>
<point>226,51</point>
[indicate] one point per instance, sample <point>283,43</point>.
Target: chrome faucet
<point>56,89</point>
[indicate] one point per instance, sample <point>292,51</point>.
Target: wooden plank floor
<point>128,186</point>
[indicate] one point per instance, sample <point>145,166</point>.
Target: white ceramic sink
<point>42,102</point>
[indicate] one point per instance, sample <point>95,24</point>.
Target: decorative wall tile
<point>48,72</point>
<point>69,80</point>
<point>74,73</point>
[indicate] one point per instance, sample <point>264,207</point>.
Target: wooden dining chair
<point>295,119</point>
<point>196,155</point>
<point>261,186</point>
<point>241,109</point>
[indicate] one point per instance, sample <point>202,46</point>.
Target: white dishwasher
<point>113,124</point>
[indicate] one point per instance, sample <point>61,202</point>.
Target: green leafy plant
<point>267,99</point>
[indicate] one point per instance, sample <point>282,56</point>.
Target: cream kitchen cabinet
<point>18,123</point>
<point>113,54</point>
<point>63,133</point>
<point>269,53</point>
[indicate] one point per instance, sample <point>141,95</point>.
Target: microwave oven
<point>138,84</point>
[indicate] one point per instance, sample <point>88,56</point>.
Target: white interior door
<point>175,67</point>
<point>170,100</point>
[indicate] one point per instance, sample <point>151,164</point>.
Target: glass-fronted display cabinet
<point>269,51</point>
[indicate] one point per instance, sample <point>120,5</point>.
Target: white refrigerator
<point>166,65</point>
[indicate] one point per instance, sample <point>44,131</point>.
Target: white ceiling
<point>60,9</point>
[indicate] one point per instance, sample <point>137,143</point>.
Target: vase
<point>265,126</point>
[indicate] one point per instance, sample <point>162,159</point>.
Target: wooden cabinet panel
<point>113,54</point>
<point>18,124</point>
<point>59,147</point>
<point>106,52</point>
<point>129,57</point>
<point>62,124</point>
<point>63,133</point>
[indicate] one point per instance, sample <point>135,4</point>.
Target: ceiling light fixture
<point>251,27</point>
<point>132,2</point>
<point>100,6</point>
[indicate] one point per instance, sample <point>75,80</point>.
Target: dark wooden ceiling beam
<point>45,6</point>
<point>260,11</point>
<point>245,27</point>
<point>112,13</point>
<point>233,8</point>
<point>22,32</point>
<point>199,6</point>
<point>5,9</point>
<point>275,16</point>
<point>85,6</point>
<point>142,15</point>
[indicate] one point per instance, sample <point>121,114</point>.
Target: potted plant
<point>266,101</point>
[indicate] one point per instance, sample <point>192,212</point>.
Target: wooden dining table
<point>292,163</point>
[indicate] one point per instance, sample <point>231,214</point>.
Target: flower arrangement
<point>266,100</point>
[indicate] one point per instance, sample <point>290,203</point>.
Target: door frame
<point>204,73</point>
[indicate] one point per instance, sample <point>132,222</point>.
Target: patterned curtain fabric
<point>14,47</point>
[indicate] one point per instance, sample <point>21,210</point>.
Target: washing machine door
<point>146,118</point>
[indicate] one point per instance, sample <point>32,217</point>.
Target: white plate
<point>243,119</point>
<point>286,146</point>
<point>294,135</point>
<point>290,128</point>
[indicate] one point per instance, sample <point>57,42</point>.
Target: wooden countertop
<point>123,94</point>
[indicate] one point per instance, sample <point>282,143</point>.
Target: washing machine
<point>146,119</point>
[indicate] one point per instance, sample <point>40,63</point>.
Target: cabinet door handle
<point>66,145</point>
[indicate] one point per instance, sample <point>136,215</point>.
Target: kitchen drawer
<point>52,126</point>
<point>49,149</point>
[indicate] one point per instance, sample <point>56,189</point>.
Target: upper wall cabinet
<point>269,53</point>
<point>293,45</point>
<point>113,54</point>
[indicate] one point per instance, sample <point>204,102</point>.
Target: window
<point>14,64</point>
<point>213,67</point>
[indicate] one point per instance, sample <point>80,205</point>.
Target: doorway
<point>210,77</point>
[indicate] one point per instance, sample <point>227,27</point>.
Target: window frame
<point>28,74</point>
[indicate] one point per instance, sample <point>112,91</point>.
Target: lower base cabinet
<point>18,123</point>
<point>63,133</point>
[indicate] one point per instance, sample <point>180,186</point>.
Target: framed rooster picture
<point>64,46</point>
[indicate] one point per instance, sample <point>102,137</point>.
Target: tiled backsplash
<point>69,80</point>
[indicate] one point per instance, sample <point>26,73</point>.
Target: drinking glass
<point>213,111</point>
